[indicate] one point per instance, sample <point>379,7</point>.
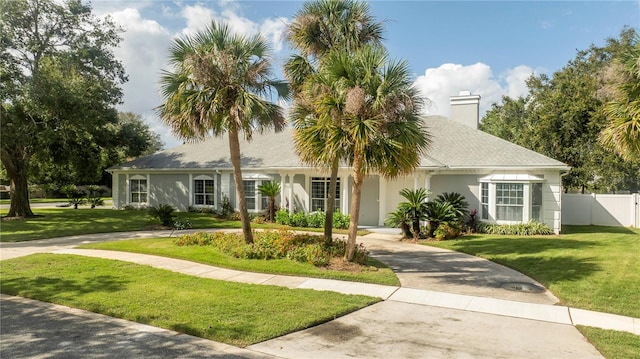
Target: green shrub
<point>445,231</point>
<point>341,221</point>
<point>179,224</point>
<point>226,208</point>
<point>130,207</point>
<point>75,196</point>
<point>520,229</point>
<point>163,213</point>
<point>282,217</point>
<point>258,220</point>
<point>298,219</point>
<point>278,244</point>
<point>316,219</point>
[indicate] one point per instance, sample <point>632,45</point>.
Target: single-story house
<point>504,182</point>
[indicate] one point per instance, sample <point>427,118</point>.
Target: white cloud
<point>438,84</point>
<point>143,52</point>
<point>144,48</point>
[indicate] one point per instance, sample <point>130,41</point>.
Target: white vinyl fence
<point>601,209</point>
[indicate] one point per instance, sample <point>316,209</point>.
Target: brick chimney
<point>465,109</point>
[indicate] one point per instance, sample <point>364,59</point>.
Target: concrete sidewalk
<point>449,305</point>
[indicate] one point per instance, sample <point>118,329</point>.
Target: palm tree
<point>622,134</point>
<point>270,189</point>
<point>400,219</point>
<point>415,207</point>
<point>218,85</point>
<point>381,129</point>
<point>440,213</point>
<point>318,28</point>
<point>458,202</point>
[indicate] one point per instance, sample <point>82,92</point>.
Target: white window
<point>509,202</point>
<point>138,190</point>
<point>511,198</point>
<point>320,192</point>
<point>204,191</point>
<point>250,193</point>
<point>484,200</point>
<point>536,202</point>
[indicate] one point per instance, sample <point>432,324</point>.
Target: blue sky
<point>487,47</point>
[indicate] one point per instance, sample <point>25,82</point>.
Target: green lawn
<point>613,344</point>
<point>60,222</point>
<point>44,200</point>
<point>376,273</point>
<point>233,313</point>
<point>588,267</point>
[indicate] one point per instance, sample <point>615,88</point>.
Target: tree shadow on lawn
<point>597,229</point>
<point>50,288</point>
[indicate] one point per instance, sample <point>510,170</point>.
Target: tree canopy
<point>564,115</point>
<point>59,85</point>
<point>219,84</point>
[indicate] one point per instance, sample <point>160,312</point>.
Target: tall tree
<point>115,142</point>
<point>622,133</point>
<point>218,85</point>
<point>563,117</point>
<point>59,81</point>
<point>318,28</point>
<point>379,110</point>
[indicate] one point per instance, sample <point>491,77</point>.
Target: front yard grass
<point>61,222</point>
<point>376,272</point>
<point>233,313</point>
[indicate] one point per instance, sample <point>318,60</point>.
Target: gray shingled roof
<point>453,146</point>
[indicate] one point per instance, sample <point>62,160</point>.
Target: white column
<point>382,202</point>
<point>191,195</point>
<point>282,183</point>
<point>115,190</point>
<point>344,201</point>
<point>427,185</point>
<point>290,193</point>
<point>126,190</point>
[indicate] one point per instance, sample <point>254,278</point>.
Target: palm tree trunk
<point>358,178</point>
<point>234,151</point>
<point>331,201</point>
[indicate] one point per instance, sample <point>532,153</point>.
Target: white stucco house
<point>506,183</point>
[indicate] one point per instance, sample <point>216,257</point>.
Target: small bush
<point>282,217</point>
<point>205,210</point>
<point>179,224</point>
<point>235,216</point>
<point>258,220</point>
<point>520,229</point>
<point>341,221</point>
<point>298,219</point>
<point>316,219</point>
<point>163,213</point>
<point>130,207</point>
<point>226,207</point>
<point>445,231</point>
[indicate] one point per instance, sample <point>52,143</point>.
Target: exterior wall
<point>552,201</point>
<point>465,184</point>
<point>379,196</point>
<point>601,209</point>
<point>468,185</point>
<point>121,191</point>
<point>173,189</point>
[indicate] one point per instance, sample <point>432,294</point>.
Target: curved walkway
<point>445,299</point>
